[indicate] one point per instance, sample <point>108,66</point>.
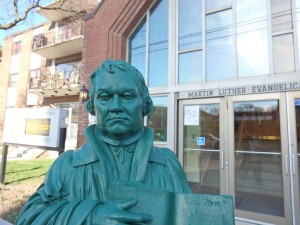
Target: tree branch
<point>34,5</point>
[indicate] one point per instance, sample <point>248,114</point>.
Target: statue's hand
<point>116,212</point>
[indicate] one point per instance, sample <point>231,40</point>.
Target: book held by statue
<point>169,208</point>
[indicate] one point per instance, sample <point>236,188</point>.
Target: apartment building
<point>42,66</point>
<point>225,77</point>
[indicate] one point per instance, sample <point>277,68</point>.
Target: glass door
<point>293,100</point>
<point>201,145</point>
<point>259,152</point>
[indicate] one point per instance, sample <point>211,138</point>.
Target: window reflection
<point>158,120</point>
<point>252,38</point>
<point>283,53</point>
<point>190,24</point>
<point>258,166</point>
<point>219,46</point>
<point>68,72</point>
<point>138,48</point>
<point>201,142</point>
<point>298,21</point>
<point>211,5</point>
<point>190,67</point>
<point>281,15</point>
<point>158,45</point>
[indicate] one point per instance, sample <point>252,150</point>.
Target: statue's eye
<point>104,97</point>
<point>128,96</point>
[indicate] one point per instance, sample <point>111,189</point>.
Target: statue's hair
<point>113,67</point>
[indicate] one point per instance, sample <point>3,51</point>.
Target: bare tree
<point>16,11</point>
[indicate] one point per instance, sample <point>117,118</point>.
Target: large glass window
<point>212,5</point>
<point>158,45</point>
<point>189,24</point>
<point>283,53</point>
<point>158,120</point>
<point>252,38</point>
<point>152,46</point>
<point>219,46</point>
<point>190,67</point>
<point>190,41</point>
<point>281,15</point>
<point>138,48</point>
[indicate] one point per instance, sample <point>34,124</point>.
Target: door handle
<point>294,165</point>
<point>286,164</point>
<point>222,160</point>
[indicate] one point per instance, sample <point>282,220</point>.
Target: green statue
<point>118,147</point>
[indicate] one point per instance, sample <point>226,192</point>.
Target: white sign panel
<point>191,115</point>
<point>34,126</point>
<point>254,89</point>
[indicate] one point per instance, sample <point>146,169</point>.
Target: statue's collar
<point>116,142</point>
<point>87,153</point>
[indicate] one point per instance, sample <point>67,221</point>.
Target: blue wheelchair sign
<point>200,140</point>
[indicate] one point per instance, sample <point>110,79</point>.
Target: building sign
<point>254,89</point>
<point>36,127</point>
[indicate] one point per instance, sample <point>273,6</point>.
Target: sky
<point>6,12</point>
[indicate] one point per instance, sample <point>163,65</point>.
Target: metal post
<point>3,163</point>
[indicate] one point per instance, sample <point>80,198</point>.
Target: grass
<point>20,171</point>
<point>22,178</point>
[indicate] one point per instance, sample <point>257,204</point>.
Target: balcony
<point>60,42</point>
<point>56,85</point>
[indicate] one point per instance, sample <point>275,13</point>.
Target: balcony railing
<point>56,81</point>
<point>58,35</point>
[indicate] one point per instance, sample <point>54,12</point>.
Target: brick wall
<point>106,32</point>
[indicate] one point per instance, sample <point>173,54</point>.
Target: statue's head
<point>119,98</point>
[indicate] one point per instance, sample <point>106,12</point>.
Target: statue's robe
<point>79,180</point>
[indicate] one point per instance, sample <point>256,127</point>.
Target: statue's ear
<point>147,106</point>
<point>89,105</point>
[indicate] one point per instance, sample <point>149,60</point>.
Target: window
<point>283,42</point>
<point>216,4</point>
<point>252,38</point>
<point>281,15</point>
<point>69,71</point>
<point>219,46</point>
<point>158,120</point>
<point>13,80</point>
<point>158,45</point>
<point>38,41</point>
<point>16,48</point>
<point>190,41</point>
<point>35,78</point>
<point>154,48</point>
<point>283,53</point>
<point>138,48</point>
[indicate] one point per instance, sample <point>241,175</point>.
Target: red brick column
<point>106,32</point>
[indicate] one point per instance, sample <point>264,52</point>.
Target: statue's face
<point>118,104</point>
